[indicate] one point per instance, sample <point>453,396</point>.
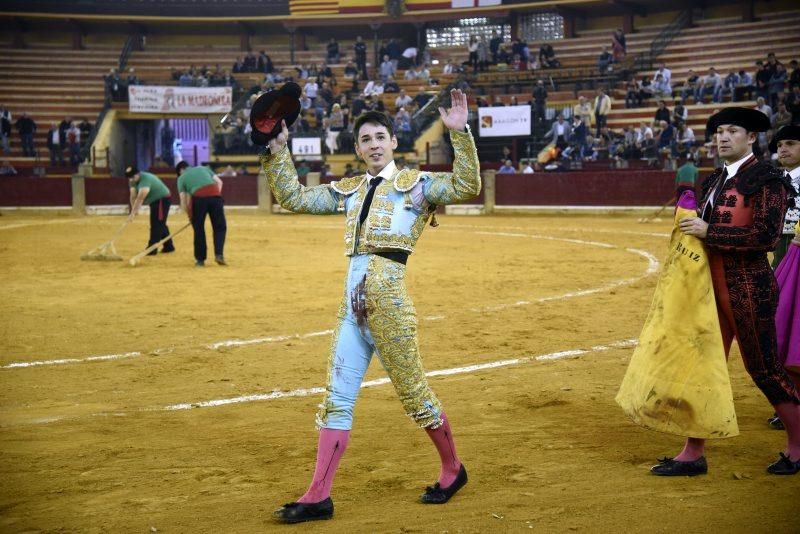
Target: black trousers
<point>214,207</point>
<point>159,211</point>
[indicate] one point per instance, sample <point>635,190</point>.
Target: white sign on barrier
<point>504,121</point>
<point>306,146</point>
<point>161,99</point>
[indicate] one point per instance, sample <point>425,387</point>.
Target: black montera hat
<point>789,131</point>
<point>751,120</point>
<point>270,109</point>
<point>131,171</point>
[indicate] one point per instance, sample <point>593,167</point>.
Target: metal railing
<point>645,60</point>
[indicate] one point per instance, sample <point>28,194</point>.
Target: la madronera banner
<point>504,121</point>
<point>160,99</point>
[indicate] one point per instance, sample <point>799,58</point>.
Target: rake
<point>655,216</point>
<point>106,251</point>
<point>136,259</point>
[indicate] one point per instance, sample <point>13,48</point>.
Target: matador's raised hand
<point>277,143</point>
<point>456,117</point>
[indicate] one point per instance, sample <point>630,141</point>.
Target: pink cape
<point>787,319</point>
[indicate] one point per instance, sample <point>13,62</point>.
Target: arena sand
<point>88,446</point>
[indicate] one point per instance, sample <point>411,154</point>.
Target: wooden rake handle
<point>134,260</point>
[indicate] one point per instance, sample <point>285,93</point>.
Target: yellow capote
<point>677,380</point>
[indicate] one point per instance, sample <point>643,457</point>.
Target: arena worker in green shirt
<point>686,177</point>
<point>201,194</point>
<point>147,188</point>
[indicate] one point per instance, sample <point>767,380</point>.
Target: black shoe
<point>438,495</point>
<point>784,466</point>
<point>200,263</point>
<point>667,467</point>
<point>153,252</point>
<point>220,260</point>
<point>775,423</point>
<point>297,512</point>
<point>167,250</point>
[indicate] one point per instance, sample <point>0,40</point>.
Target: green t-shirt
<point>193,178</point>
<point>687,174</point>
<point>157,188</point>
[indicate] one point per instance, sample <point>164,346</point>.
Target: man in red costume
<point>741,220</point>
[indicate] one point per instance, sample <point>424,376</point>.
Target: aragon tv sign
<point>504,121</point>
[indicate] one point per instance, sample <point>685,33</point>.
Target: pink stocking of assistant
<point>790,416</point>
<point>442,437</point>
<point>330,449</point>
<point>694,449</point>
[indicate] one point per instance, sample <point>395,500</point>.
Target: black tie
<point>708,209</point>
<point>373,185</point>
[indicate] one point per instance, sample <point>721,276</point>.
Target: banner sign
<point>160,99</point>
<point>306,146</point>
<point>504,121</point>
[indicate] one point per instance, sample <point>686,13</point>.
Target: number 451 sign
<point>306,146</point>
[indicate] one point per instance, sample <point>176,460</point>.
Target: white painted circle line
<point>305,392</point>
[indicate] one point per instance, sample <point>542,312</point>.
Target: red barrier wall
<point>610,188</point>
<point>38,192</point>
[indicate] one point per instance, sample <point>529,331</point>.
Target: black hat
<point>789,131</point>
<point>131,171</point>
<point>751,120</point>
<point>272,107</point>
<point>180,166</point>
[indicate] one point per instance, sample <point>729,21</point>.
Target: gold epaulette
<point>348,186</point>
<point>406,180</point>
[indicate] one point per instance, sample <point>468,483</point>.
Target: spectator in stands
<point>132,78</point>
<point>7,169</point>
<point>782,117</point>
<point>325,94</point>
<point>386,69</point>
<point>264,63</point>
<point>424,74</point>
<point>711,85</point>
<point>691,85</point>
<point>481,102</point>
<point>680,113</point>
<point>332,51</point>
<point>360,51</point>
<point>408,57</point>
<point>539,100</point>
<point>662,113</point>
<point>772,63</point>
<point>26,127</point>
<point>395,52</point>
<point>649,149</point>
<point>560,132</point>
<point>794,74</point>
<point>762,106</point>
<point>793,104</point>
<point>633,97</point>
<point>664,72</point>
<point>54,145</point>
<point>580,130</point>
<point>391,86</point>
<point>763,76</point>
<point>777,84</point>
<point>349,170</point>
<point>5,130</point>
<point>201,80</point>
<point>685,138</point>
<point>311,89</point>
<point>186,79</point>
<point>547,57</point>
<point>642,132</point>
<point>602,107</point>
<point>583,110</point>
<point>74,143</point>
<point>402,100</point>
<point>113,85</point>
<point>483,54</point>
<point>605,60</point>
<point>618,45</point>
<point>498,102</point>
<point>661,87</point>
<point>373,88</point>
<point>494,46</point>
<point>472,51</point>
<point>421,98</point>
<point>238,66</point>
<point>743,87</point>
<point>507,168</point>
<point>449,67</point>
<point>402,128</point>
<point>645,89</point>
<point>250,62</point>
<point>525,167</point>
<point>336,124</point>
<point>729,84</point>
<point>350,71</point>
<point>411,74</point>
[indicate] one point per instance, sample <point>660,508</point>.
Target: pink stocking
<point>790,416</point>
<point>330,449</point>
<point>694,449</point>
<point>442,437</point>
